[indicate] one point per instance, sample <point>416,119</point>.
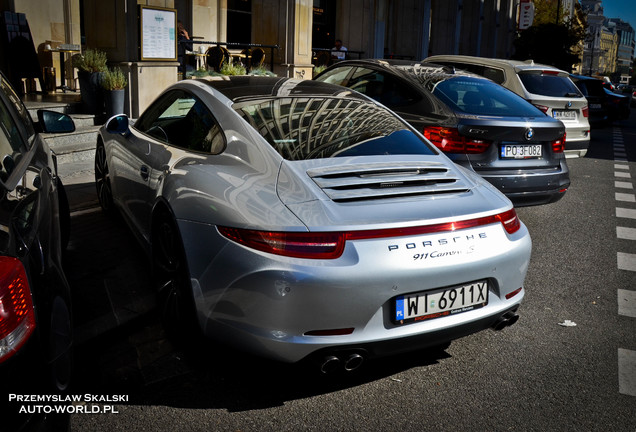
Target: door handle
<point>144,172</point>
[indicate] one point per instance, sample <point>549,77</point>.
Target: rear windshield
<point>313,128</point>
<point>590,88</point>
<point>482,97</point>
<point>549,85</point>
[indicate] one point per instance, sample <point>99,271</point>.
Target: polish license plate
<point>428,305</point>
<point>564,114</point>
<point>521,151</point>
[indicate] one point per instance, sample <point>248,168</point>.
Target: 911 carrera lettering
<point>441,254</point>
<point>438,242</point>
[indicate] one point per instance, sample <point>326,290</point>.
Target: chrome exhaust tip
<point>329,364</point>
<point>353,362</point>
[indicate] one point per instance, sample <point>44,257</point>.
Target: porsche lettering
<point>438,242</point>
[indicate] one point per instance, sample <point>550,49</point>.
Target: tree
<point>553,39</point>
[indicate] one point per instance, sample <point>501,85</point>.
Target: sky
<point>623,9</point>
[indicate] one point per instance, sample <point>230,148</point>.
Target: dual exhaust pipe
<point>506,320</point>
<point>348,363</point>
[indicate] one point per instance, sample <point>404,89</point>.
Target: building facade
<point>411,29</point>
<point>609,48</point>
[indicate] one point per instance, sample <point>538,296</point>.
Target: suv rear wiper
<point>571,94</point>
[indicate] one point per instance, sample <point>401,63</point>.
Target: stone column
<point>298,53</point>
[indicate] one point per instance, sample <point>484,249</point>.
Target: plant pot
<point>114,102</point>
<point>91,91</point>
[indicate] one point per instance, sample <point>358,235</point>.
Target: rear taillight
<point>558,146</point>
<point>330,245</point>
<point>300,245</point>
<point>449,140</point>
<point>586,111</point>
<point>17,317</point>
<point>542,108</point>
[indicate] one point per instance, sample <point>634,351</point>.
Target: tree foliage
<point>552,40</point>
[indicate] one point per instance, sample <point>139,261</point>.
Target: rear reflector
<point>449,140</point>
<point>330,245</point>
<point>333,332</point>
<point>513,293</point>
<point>17,316</point>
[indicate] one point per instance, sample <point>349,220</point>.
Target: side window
<point>336,76</point>
<point>11,143</point>
<point>20,109</point>
<point>384,88</point>
<point>182,120</point>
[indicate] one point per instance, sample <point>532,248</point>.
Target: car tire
<point>172,280</point>
<point>102,179</point>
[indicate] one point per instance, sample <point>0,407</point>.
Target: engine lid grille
<point>381,181</point>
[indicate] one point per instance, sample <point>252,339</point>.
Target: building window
<point>239,21</point>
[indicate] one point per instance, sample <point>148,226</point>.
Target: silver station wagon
<point>297,219</point>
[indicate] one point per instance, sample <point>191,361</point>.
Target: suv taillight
<point>17,316</point>
<point>558,146</point>
<point>586,111</point>
<point>449,140</point>
<point>542,108</point>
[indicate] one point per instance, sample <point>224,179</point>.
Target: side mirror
<point>118,124</point>
<point>55,122</point>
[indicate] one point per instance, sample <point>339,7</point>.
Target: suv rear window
<point>549,85</point>
<point>482,97</point>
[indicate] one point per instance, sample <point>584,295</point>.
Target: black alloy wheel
<point>102,179</point>
<point>172,280</point>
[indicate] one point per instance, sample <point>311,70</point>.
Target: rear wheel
<point>102,179</point>
<point>172,279</point>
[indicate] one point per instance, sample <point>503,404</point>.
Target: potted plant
<point>90,65</point>
<point>114,82</point>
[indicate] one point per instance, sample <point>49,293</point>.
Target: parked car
<point>477,123</point>
<point>618,105</point>
<point>298,219</point>
<point>548,88</point>
<point>35,303</point>
<point>598,102</point>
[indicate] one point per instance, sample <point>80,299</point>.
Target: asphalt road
<point>534,376</point>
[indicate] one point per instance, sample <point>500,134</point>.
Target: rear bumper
<point>576,148</point>
<point>531,187</point>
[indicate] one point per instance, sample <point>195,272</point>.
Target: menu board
<point>158,33</point>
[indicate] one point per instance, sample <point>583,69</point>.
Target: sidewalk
<point>78,179</point>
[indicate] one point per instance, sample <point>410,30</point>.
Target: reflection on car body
<point>273,210</point>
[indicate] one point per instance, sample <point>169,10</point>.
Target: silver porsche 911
<point>297,219</point>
